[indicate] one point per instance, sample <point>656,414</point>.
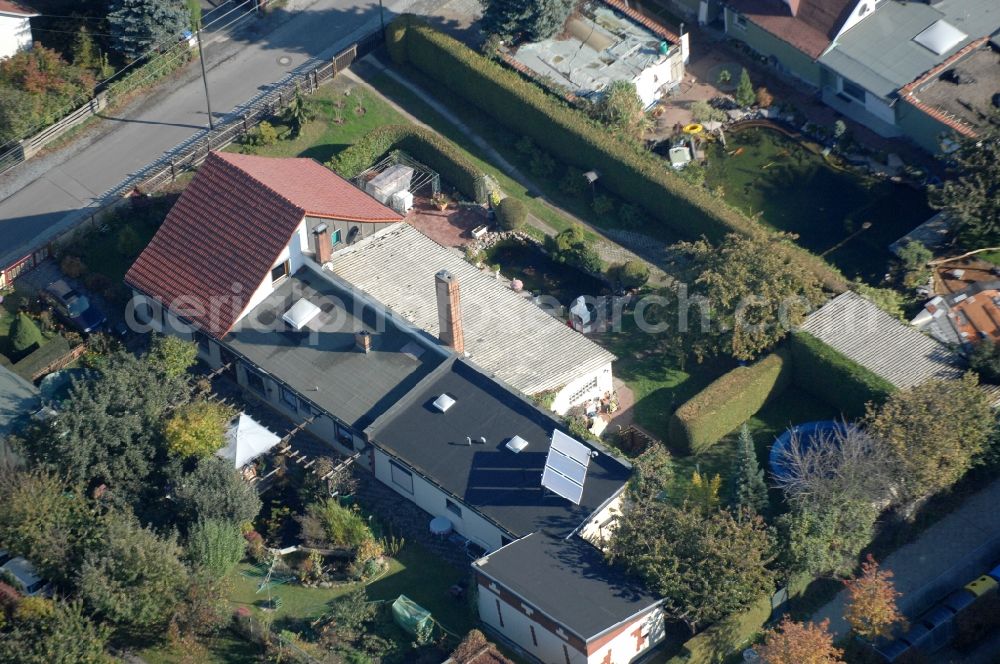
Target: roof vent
<point>516,444</point>
<point>443,403</point>
<point>300,314</point>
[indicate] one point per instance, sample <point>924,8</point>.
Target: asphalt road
<point>45,195</point>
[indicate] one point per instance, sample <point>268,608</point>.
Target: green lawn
<point>797,191</point>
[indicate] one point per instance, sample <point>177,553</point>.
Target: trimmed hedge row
<point>626,168</point>
<point>722,639</point>
<point>826,374</point>
<point>728,402</point>
<point>41,357</point>
<point>423,145</point>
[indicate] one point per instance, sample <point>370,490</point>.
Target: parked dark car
<point>74,307</point>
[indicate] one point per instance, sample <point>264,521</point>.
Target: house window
<point>335,238</point>
<point>453,508</point>
<point>280,271</point>
<point>740,20</point>
<point>534,639</point>
<point>289,397</point>
<point>346,438</point>
<point>401,477</point>
<point>853,90</point>
<point>255,381</point>
<point>304,406</point>
<point>499,613</point>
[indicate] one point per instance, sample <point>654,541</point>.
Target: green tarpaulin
<point>412,617</point>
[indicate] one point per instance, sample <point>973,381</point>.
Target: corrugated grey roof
<point>505,334</point>
<point>889,348</point>
<point>879,53</point>
<point>17,397</point>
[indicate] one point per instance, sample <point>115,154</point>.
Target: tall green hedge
<point>728,402</point>
<point>726,637</point>
<point>828,375</point>
<point>626,168</point>
<point>423,145</point>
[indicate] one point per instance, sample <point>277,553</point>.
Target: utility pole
<point>204,79</point>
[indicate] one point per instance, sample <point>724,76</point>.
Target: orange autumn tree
<point>871,609</point>
<point>799,643</point>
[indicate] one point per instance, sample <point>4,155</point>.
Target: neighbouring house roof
<point>17,9</point>
<point>959,92</point>
<point>966,317</point>
<point>811,30</point>
<point>862,332</point>
<point>321,361</point>
<point>880,53</point>
<point>246,440</point>
<point>505,333</point>
<point>229,226</point>
<point>499,483</point>
<point>569,581</point>
<point>18,398</point>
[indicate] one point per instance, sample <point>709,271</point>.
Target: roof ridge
<point>258,180</point>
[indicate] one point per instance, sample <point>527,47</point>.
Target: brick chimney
<point>449,311</point>
<point>323,247</point>
<point>363,341</point>
<point>794,6</point>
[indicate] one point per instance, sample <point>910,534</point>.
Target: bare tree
<point>836,466</point>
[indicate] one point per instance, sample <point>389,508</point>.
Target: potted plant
<point>440,199</point>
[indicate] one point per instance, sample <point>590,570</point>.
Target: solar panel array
<point>566,467</point>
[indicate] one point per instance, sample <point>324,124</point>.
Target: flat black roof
<point>321,362</point>
<point>569,581</point>
<point>503,485</point>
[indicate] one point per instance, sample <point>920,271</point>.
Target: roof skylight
<point>940,37</point>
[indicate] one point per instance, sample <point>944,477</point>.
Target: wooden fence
<point>194,151</point>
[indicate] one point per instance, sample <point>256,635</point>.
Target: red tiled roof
<point>221,238</point>
<point>8,7</point>
<point>811,30</point>
<point>643,20</point>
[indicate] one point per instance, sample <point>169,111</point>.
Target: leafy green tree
<point>572,247</point>
<point>750,491</point>
<point>108,429</point>
<point>754,294</point>
<point>138,26</point>
<point>511,213</point>
<point>129,244</point>
<point>198,428</point>
<point>704,567</point>
<point>327,523</point>
<point>653,474</point>
<point>349,614</point>
<point>203,609</point>
<point>216,546</point>
<point>936,430</point>
<point>888,300</point>
<point>793,642</point>
<point>621,108</point>
<point>871,609</point>
<point>52,632</point>
<point>48,88</point>
<point>913,258</point>
<point>17,112</point>
<point>214,490</point>
<point>702,111</point>
<point>172,355</point>
<point>703,493</point>
<point>24,336</point>
<point>745,95</point>
<point>826,539</point>
<point>136,578</point>
<point>194,9</point>
<point>83,51</point>
<point>534,19</point>
<point>46,522</point>
<point>985,360</point>
<point>971,197</point>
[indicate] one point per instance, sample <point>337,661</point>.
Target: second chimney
<point>363,341</point>
<point>323,247</point>
<point>449,308</point>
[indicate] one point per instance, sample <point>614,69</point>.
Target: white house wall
<point>598,527</point>
<point>665,75</point>
<point>602,384</point>
<point>293,253</point>
<point>517,627</point>
<point>15,35</point>
<point>630,640</point>
<point>432,500</point>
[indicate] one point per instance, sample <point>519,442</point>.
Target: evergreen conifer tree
<point>751,491</point>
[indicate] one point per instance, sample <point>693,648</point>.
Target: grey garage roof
<point>18,397</point>
<point>886,346</point>
<point>880,53</point>
<point>505,334</point>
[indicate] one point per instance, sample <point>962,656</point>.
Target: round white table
<point>440,526</point>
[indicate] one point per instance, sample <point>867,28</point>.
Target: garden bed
<point>540,274</point>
